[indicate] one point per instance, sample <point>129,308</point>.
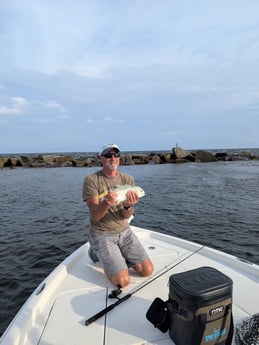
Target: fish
<point>122,191</point>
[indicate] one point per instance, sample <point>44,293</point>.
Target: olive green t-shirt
<point>97,184</point>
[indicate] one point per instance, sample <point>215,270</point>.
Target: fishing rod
<point>115,293</point>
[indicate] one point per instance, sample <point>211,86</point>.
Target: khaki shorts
<point>117,252</point>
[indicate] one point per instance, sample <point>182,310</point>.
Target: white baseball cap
<point>107,148</point>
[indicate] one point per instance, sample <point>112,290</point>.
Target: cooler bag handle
<point>203,320</point>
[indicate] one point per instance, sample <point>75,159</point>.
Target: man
<point>110,235</point>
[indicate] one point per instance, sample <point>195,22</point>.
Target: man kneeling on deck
<point>110,236</point>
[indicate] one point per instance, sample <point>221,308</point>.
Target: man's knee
<point>121,278</point>
<point>145,268</point>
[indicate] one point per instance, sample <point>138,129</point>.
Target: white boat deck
<point>56,312</point>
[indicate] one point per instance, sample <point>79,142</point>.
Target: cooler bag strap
<point>231,330</point>
<point>200,331</point>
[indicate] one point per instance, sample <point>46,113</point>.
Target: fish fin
<point>103,194</point>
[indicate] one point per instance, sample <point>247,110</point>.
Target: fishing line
<point>166,269</point>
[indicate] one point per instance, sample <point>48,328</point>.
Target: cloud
<point>88,120</point>
<point>18,107</point>
<point>106,119</point>
<point>54,105</point>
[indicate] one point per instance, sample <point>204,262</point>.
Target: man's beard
<point>113,166</point>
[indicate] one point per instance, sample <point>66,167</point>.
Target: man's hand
<point>110,198</point>
<point>132,199</point>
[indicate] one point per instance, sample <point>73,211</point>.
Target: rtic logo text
<point>217,310</point>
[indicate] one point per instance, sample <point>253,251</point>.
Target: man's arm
<point>99,208</point>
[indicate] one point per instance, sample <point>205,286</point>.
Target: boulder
<point>129,161</point>
<point>222,156</point>
<point>167,157</point>
<point>8,162</point>
<point>26,160</point>
<point>48,159</point>
<point>63,160</point>
<point>180,153</point>
<point>204,156</point>
<point>16,162</point>
<point>2,162</point>
<point>87,162</point>
<point>69,163</point>
<point>140,159</point>
<point>155,160</point>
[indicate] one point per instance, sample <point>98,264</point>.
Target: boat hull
<point>77,289</point>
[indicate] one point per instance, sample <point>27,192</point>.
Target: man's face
<point>110,160</point>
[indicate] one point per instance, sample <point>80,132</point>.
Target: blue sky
<point>145,74</point>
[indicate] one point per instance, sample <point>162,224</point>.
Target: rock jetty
<point>176,155</point>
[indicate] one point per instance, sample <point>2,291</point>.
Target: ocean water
<point>43,218</point>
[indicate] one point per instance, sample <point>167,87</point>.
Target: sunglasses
<point>110,155</point>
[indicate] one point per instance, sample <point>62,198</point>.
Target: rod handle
<point>106,310</point>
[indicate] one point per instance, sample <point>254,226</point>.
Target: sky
<point>144,74</point>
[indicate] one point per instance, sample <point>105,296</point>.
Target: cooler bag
<point>200,307</point>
